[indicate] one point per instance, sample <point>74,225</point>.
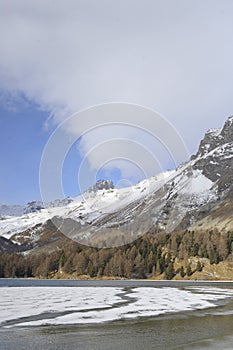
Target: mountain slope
<point>197,194</point>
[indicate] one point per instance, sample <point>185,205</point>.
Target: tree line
<point>150,255</point>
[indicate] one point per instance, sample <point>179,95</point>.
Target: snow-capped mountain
<point>30,207</point>
<point>192,196</point>
<point>11,210</point>
<point>101,185</point>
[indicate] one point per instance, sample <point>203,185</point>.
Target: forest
<point>151,255</point>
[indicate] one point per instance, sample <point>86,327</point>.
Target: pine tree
<point>169,271</point>
<point>188,270</point>
<point>199,266</point>
<point>182,273</point>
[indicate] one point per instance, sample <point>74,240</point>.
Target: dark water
<point>27,282</point>
<point>200,329</point>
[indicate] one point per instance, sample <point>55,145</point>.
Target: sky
<point>60,58</point>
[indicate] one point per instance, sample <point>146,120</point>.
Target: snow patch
<point>197,184</point>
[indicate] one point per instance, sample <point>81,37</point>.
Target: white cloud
<point>173,56</point>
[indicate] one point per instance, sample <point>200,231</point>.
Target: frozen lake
<point>115,314</point>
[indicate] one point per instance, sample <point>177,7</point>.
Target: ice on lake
<point>37,306</point>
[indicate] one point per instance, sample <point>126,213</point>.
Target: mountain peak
<point>216,137</point>
<point>211,140</point>
<point>101,185</point>
<point>227,130</point>
<point>215,156</point>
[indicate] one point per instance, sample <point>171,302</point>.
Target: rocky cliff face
<point>216,137</point>
<point>215,156</point>
<point>227,131</point>
<point>211,140</point>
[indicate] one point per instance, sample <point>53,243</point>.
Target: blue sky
<point>22,141</point>
<point>172,56</point>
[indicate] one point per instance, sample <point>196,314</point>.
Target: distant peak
<point>33,207</point>
<point>101,185</point>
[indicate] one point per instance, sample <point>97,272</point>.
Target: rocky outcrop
<point>215,156</point>
<point>227,131</point>
<point>101,185</point>
<point>216,137</point>
<point>7,246</point>
<point>211,140</point>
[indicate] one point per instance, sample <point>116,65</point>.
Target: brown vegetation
<point>154,254</point>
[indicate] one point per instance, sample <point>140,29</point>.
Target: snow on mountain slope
<point>196,185</point>
<point>105,216</point>
<point>112,200</point>
<point>124,212</point>
<point>90,206</point>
